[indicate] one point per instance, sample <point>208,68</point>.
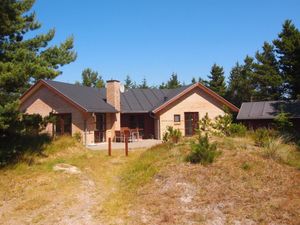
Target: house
<point>262,114</point>
<point>97,113</point>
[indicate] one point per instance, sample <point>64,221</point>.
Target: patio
<point>146,143</point>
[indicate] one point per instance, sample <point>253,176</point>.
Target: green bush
<point>77,136</point>
<point>202,152</point>
<point>237,129</point>
<point>222,124</point>
<point>205,123</point>
<point>172,135</point>
<point>261,137</point>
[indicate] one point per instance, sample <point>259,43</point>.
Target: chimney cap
<point>110,81</point>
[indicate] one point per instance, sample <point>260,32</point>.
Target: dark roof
<point>145,100</point>
<point>88,98</point>
<point>268,109</point>
<point>132,100</point>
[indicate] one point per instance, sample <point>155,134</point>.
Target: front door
<point>191,120</point>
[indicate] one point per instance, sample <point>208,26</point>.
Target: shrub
<point>271,149</point>
<point>205,123</point>
<point>172,135</point>
<point>237,129</point>
<point>246,166</point>
<point>261,137</point>
<point>77,136</point>
<point>222,124</point>
<point>282,122</point>
<point>202,152</point>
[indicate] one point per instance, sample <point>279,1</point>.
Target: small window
<point>176,118</point>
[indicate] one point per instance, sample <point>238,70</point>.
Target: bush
<point>261,137</point>
<point>77,136</point>
<point>283,123</point>
<point>222,124</point>
<point>205,123</point>
<point>271,149</point>
<point>202,152</point>
<point>172,135</point>
<point>237,129</point>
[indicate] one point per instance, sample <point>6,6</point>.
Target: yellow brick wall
<point>195,101</point>
<point>44,101</point>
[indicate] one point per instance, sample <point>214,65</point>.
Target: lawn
<point>245,185</point>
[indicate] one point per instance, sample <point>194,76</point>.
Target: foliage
<point>261,137</point>
<point>222,123</point>
<point>172,135</point>
<point>282,122</point>
<point>246,166</point>
<point>144,84</point>
<point>91,78</point>
<point>216,80</point>
<point>288,51</point>
<point>23,61</point>
<point>77,136</point>
<point>14,146</point>
<point>128,83</point>
<point>237,129</point>
<point>266,77</point>
<point>202,152</point>
<point>240,87</point>
<point>205,123</point>
<point>173,82</point>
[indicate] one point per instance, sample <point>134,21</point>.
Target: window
<point>63,124</point>
<point>176,118</point>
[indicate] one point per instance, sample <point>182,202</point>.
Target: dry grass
<point>35,194</point>
<point>245,185</point>
<point>241,187</point>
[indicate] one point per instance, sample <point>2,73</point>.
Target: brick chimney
<point>113,98</point>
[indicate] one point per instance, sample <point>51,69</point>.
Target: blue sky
<point>153,38</point>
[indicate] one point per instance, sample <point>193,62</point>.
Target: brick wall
<point>195,101</point>
<point>44,101</point>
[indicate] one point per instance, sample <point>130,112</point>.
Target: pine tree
<point>217,80</point>
<point>144,84</point>
<point>24,61</point>
<point>128,83</point>
<point>173,82</point>
<point>193,81</point>
<point>288,51</point>
<point>266,78</point>
<point>240,85</point>
<point>91,78</point>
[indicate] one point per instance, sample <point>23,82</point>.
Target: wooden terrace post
<point>109,146</point>
<point>126,145</point>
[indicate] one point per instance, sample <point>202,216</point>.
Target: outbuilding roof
<point>268,109</point>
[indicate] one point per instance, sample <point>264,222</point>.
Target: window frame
<point>178,116</point>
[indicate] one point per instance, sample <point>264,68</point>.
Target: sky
<point>153,38</point>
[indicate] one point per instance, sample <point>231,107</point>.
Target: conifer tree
<point>144,84</point>
<point>216,80</point>
<point>288,51</point>
<point>91,78</point>
<point>23,61</point>
<point>128,83</point>
<point>266,78</point>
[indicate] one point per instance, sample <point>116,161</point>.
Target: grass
<point>154,185</point>
<point>136,174</point>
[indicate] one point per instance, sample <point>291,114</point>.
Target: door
<point>99,133</point>
<point>63,125</point>
<point>191,120</point>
